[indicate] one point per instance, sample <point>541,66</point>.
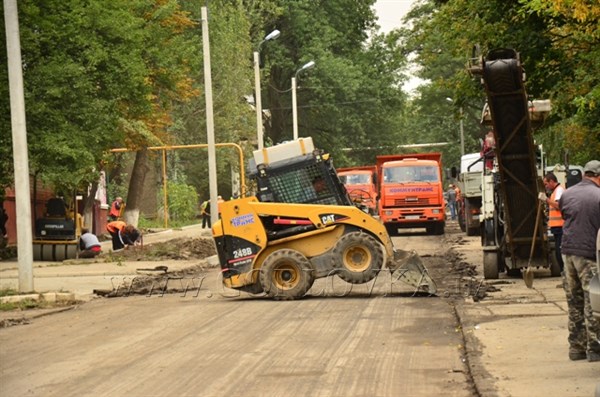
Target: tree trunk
<point>88,208</point>
<point>136,187</point>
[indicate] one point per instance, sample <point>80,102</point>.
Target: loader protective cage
<point>293,181</point>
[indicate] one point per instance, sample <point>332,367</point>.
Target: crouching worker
<point>89,244</point>
<point>122,234</point>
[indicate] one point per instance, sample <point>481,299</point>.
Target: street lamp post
<point>294,102</point>
<point>462,132</point>
<point>258,101</point>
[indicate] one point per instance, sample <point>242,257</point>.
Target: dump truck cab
<point>360,182</point>
<point>411,193</point>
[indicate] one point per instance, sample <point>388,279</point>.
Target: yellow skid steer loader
<point>301,226</point>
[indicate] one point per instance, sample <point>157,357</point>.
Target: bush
<point>182,201</point>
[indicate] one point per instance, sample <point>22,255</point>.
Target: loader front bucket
<point>408,267</point>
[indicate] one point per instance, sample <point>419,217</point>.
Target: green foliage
<point>100,75</point>
<point>558,48</point>
<point>182,201</point>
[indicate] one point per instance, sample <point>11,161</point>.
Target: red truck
<point>411,194</point>
<point>360,182</point>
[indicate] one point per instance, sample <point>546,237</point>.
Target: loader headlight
<point>435,211</point>
<point>388,213</point>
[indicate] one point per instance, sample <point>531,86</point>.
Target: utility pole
<point>19,138</point>
<point>210,126</point>
<point>462,133</point>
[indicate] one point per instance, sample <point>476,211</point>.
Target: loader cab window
<point>305,185</point>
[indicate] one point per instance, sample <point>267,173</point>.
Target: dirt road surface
<point>474,338</point>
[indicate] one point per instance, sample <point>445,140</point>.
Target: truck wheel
<point>391,229</point>
<point>490,265</point>
<point>286,274</point>
<point>461,216</point>
<point>358,257</point>
<point>471,231</point>
<point>438,229</point>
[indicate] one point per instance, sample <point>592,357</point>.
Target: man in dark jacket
<point>580,208</point>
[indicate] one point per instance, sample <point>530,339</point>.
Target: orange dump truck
<point>360,182</point>
<point>411,194</point>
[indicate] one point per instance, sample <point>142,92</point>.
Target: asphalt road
<point>475,338</point>
<point>373,340</point>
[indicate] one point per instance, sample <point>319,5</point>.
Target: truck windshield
<point>355,179</point>
<point>404,174</point>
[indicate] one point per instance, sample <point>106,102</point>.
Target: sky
<point>390,14</point>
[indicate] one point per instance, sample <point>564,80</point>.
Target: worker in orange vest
<point>122,234</point>
<point>115,209</point>
<point>555,220</point>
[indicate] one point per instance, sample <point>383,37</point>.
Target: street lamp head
<point>449,99</point>
<point>273,35</point>
<point>307,65</point>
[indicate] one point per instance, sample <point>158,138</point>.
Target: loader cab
<point>306,179</point>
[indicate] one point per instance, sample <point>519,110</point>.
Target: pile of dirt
<point>459,279</point>
<point>176,249</point>
<point>162,282</point>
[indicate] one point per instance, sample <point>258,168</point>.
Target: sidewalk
<point>517,339</point>
<point>82,276</point>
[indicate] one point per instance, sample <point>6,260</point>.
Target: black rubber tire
<point>461,215</point>
<point>439,227</point>
<point>357,257</point>
<point>490,265</point>
<point>286,274</point>
<point>392,229</point>
<point>471,231</point>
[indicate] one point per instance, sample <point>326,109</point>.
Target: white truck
<point>469,202</point>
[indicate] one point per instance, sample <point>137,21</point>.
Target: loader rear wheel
<point>357,257</point>
<point>286,274</point>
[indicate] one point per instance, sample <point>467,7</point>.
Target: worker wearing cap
<point>580,208</point>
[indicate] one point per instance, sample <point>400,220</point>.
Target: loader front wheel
<point>286,274</point>
<point>357,257</point>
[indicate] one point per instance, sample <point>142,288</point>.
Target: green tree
<point>352,98</point>
<point>558,45</point>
